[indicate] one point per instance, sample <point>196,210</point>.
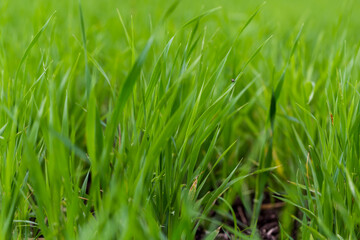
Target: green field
<point>186,119</point>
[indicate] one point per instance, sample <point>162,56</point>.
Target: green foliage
<point>165,112</point>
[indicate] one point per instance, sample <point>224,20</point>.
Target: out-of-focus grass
<point>120,120</point>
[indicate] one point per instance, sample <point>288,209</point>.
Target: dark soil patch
<point>267,225</point>
<point>268,221</point>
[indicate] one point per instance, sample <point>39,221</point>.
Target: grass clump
<point>150,120</point>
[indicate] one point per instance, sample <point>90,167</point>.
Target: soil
<point>268,221</point>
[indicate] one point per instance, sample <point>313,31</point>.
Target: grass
<point>148,119</point>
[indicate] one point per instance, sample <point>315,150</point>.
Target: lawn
<point>179,119</point>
